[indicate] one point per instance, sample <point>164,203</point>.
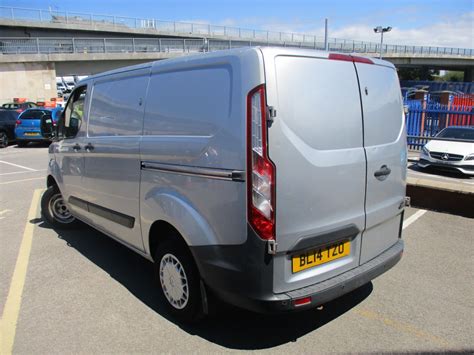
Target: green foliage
<point>453,76</point>
<point>417,74</point>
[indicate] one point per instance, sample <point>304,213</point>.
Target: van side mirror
<point>47,127</point>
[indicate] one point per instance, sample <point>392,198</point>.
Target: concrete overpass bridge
<point>40,45</point>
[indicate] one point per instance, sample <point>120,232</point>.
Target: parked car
<point>28,125</point>
<point>268,193</point>
<point>61,89</point>
<point>19,107</point>
<point>7,127</point>
<point>454,154</point>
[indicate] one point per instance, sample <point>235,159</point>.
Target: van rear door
<point>316,144</point>
<point>384,142</point>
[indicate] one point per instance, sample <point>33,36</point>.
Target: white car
<point>455,154</point>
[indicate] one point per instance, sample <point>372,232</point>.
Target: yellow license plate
<point>31,134</point>
<point>321,255</point>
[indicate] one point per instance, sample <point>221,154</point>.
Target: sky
<point>415,22</point>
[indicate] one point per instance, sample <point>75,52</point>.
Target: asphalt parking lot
<point>79,291</point>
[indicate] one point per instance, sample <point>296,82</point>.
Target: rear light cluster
<point>350,58</point>
<point>260,169</point>
<point>18,122</point>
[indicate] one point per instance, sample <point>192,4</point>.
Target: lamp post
<point>382,30</point>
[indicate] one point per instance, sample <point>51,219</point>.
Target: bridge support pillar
<point>33,81</point>
<point>469,74</point>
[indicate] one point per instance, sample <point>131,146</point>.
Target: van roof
<point>235,52</point>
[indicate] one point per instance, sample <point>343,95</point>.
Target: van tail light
<point>19,110</point>
<point>260,169</point>
<point>18,122</point>
<point>349,58</point>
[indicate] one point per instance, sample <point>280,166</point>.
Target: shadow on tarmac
<point>228,326</point>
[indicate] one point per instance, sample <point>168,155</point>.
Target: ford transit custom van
<point>272,178</point>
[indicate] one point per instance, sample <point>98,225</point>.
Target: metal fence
<point>96,21</point>
<point>130,45</point>
<point>425,120</point>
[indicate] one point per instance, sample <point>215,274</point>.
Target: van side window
<point>117,107</point>
<point>71,120</point>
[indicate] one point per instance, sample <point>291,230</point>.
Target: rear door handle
<point>383,172</point>
<point>76,147</point>
<point>89,147</point>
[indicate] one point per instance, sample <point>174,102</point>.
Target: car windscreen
<point>457,133</point>
<point>32,114</point>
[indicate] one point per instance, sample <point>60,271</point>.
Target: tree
<point>422,73</point>
<point>453,76</point>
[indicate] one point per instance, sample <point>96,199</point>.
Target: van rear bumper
<point>244,295</point>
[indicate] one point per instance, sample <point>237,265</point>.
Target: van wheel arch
<point>50,181</point>
<point>161,231</point>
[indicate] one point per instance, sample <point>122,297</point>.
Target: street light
<point>382,30</point>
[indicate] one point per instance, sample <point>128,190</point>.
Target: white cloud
<point>452,32</point>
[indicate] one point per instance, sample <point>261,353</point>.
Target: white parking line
<point>18,166</point>
<point>413,218</point>
<point>22,172</point>
<point>12,182</point>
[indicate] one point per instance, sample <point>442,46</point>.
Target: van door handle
<point>76,147</point>
<point>89,147</point>
<point>383,172</point>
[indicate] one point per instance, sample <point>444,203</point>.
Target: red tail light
<point>19,110</point>
<point>18,122</point>
<point>260,169</point>
<point>349,58</point>
<point>302,301</point>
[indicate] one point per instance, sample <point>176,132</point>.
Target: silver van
<point>272,178</point>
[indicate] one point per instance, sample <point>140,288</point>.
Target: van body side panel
<point>112,167</point>
<point>194,131</point>
<point>316,145</point>
<point>385,145</point>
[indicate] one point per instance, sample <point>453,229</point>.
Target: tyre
<point>178,281</point>
<point>22,144</point>
<point>3,140</point>
<point>55,211</point>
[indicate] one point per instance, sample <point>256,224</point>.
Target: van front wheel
<point>55,211</point>
<point>178,281</point>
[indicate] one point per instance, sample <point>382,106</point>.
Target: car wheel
<point>22,144</point>
<point>3,140</point>
<point>55,211</point>
<point>178,281</point>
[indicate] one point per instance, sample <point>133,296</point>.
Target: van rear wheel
<point>178,281</point>
<point>55,211</point>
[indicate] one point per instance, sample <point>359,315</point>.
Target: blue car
<point>27,127</point>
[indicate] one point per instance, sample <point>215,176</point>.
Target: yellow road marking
<point>11,310</point>
<point>403,327</point>
<point>11,182</point>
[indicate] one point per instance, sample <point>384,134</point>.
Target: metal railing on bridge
<point>96,21</point>
<point>47,45</point>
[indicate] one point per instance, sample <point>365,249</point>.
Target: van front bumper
<point>249,289</point>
